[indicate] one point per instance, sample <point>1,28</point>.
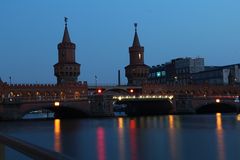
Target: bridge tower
<point>136,72</point>
<point>66,70</point>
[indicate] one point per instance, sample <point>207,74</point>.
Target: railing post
<point>2,151</point>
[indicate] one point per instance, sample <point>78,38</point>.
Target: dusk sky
<point>103,31</point>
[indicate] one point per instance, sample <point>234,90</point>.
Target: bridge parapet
<point>200,101</point>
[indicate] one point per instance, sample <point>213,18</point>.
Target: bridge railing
<point>218,96</point>
<point>29,150</point>
<point>15,100</point>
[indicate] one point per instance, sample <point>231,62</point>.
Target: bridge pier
<point>10,112</point>
<point>183,104</point>
<point>101,105</point>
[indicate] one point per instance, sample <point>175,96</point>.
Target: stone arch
<point>116,91</point>
<point>63,112</point>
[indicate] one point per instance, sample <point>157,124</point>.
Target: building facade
<point>177,71</point>
<point>136,72</point>
<point>224,75</point>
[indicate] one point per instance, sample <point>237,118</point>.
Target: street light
<point>56,104</point>
<point>95,80</point>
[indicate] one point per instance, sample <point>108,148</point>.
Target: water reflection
<point>220,137</point>
<point>121,138</point>
<point>238,117</point>
<point>133,141</point>
<point>101,150</point>
<point>120,122</point>
<point>57,135</point>
<point>172,137</point>
<point>171,121</point>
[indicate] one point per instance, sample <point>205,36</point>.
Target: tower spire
<point>65,20</point>
<point>136,42</point>
<point>66,37</point>
<point>135,25</point>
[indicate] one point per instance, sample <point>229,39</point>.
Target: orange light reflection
<point>57,135</point>
<point>220,137</point>
<point>121,139</point>
<point>219,121</point>
<point>238,117</point>
<point>120,122</point>
<point>172,137</point>
<point>171,121</point>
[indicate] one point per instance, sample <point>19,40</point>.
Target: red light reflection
<point>101,143</point>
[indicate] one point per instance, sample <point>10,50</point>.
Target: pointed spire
<point>66,37</point>
<point>136,42</point>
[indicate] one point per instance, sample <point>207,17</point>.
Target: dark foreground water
<point>186,137</point>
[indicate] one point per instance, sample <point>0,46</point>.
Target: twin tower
<point>67,69</point>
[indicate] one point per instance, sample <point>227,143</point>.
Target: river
<point>171,137</point>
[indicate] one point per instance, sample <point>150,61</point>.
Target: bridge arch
<point>112,91</point>
<point>60,112</point>
<point>215,107</point>
<point>115,91</point>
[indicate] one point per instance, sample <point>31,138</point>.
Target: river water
<point>171,137</point>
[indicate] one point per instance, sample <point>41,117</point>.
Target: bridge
<point>115,89</point>
<point>99,102</point>
<point>206,104</point>
<point>16,107</point>
<point>186,104</point>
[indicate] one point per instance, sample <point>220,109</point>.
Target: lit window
<point>163,73</point>
<point>139,56</point>
<point>158,74</point>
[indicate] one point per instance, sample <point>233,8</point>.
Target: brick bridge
<point>198,98</point>
<point>16,108</point>
<point>206,104</point>
<point>188,99</point>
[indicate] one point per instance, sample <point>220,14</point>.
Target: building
<point>136,72</point>
<point>66,71</point>
<point>162,74</point>
<point>222,75</point>
<point>177,71</point>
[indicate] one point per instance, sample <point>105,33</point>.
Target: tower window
<point>139,56</point>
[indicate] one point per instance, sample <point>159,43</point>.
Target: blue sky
<point>103,31</point>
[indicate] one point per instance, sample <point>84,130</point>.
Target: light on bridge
<point>131,90</point>
<point>218,100</point>
<point>56,104</point>
<point>170,97</point>
<point>99,91</point>
<point>238,117</point>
